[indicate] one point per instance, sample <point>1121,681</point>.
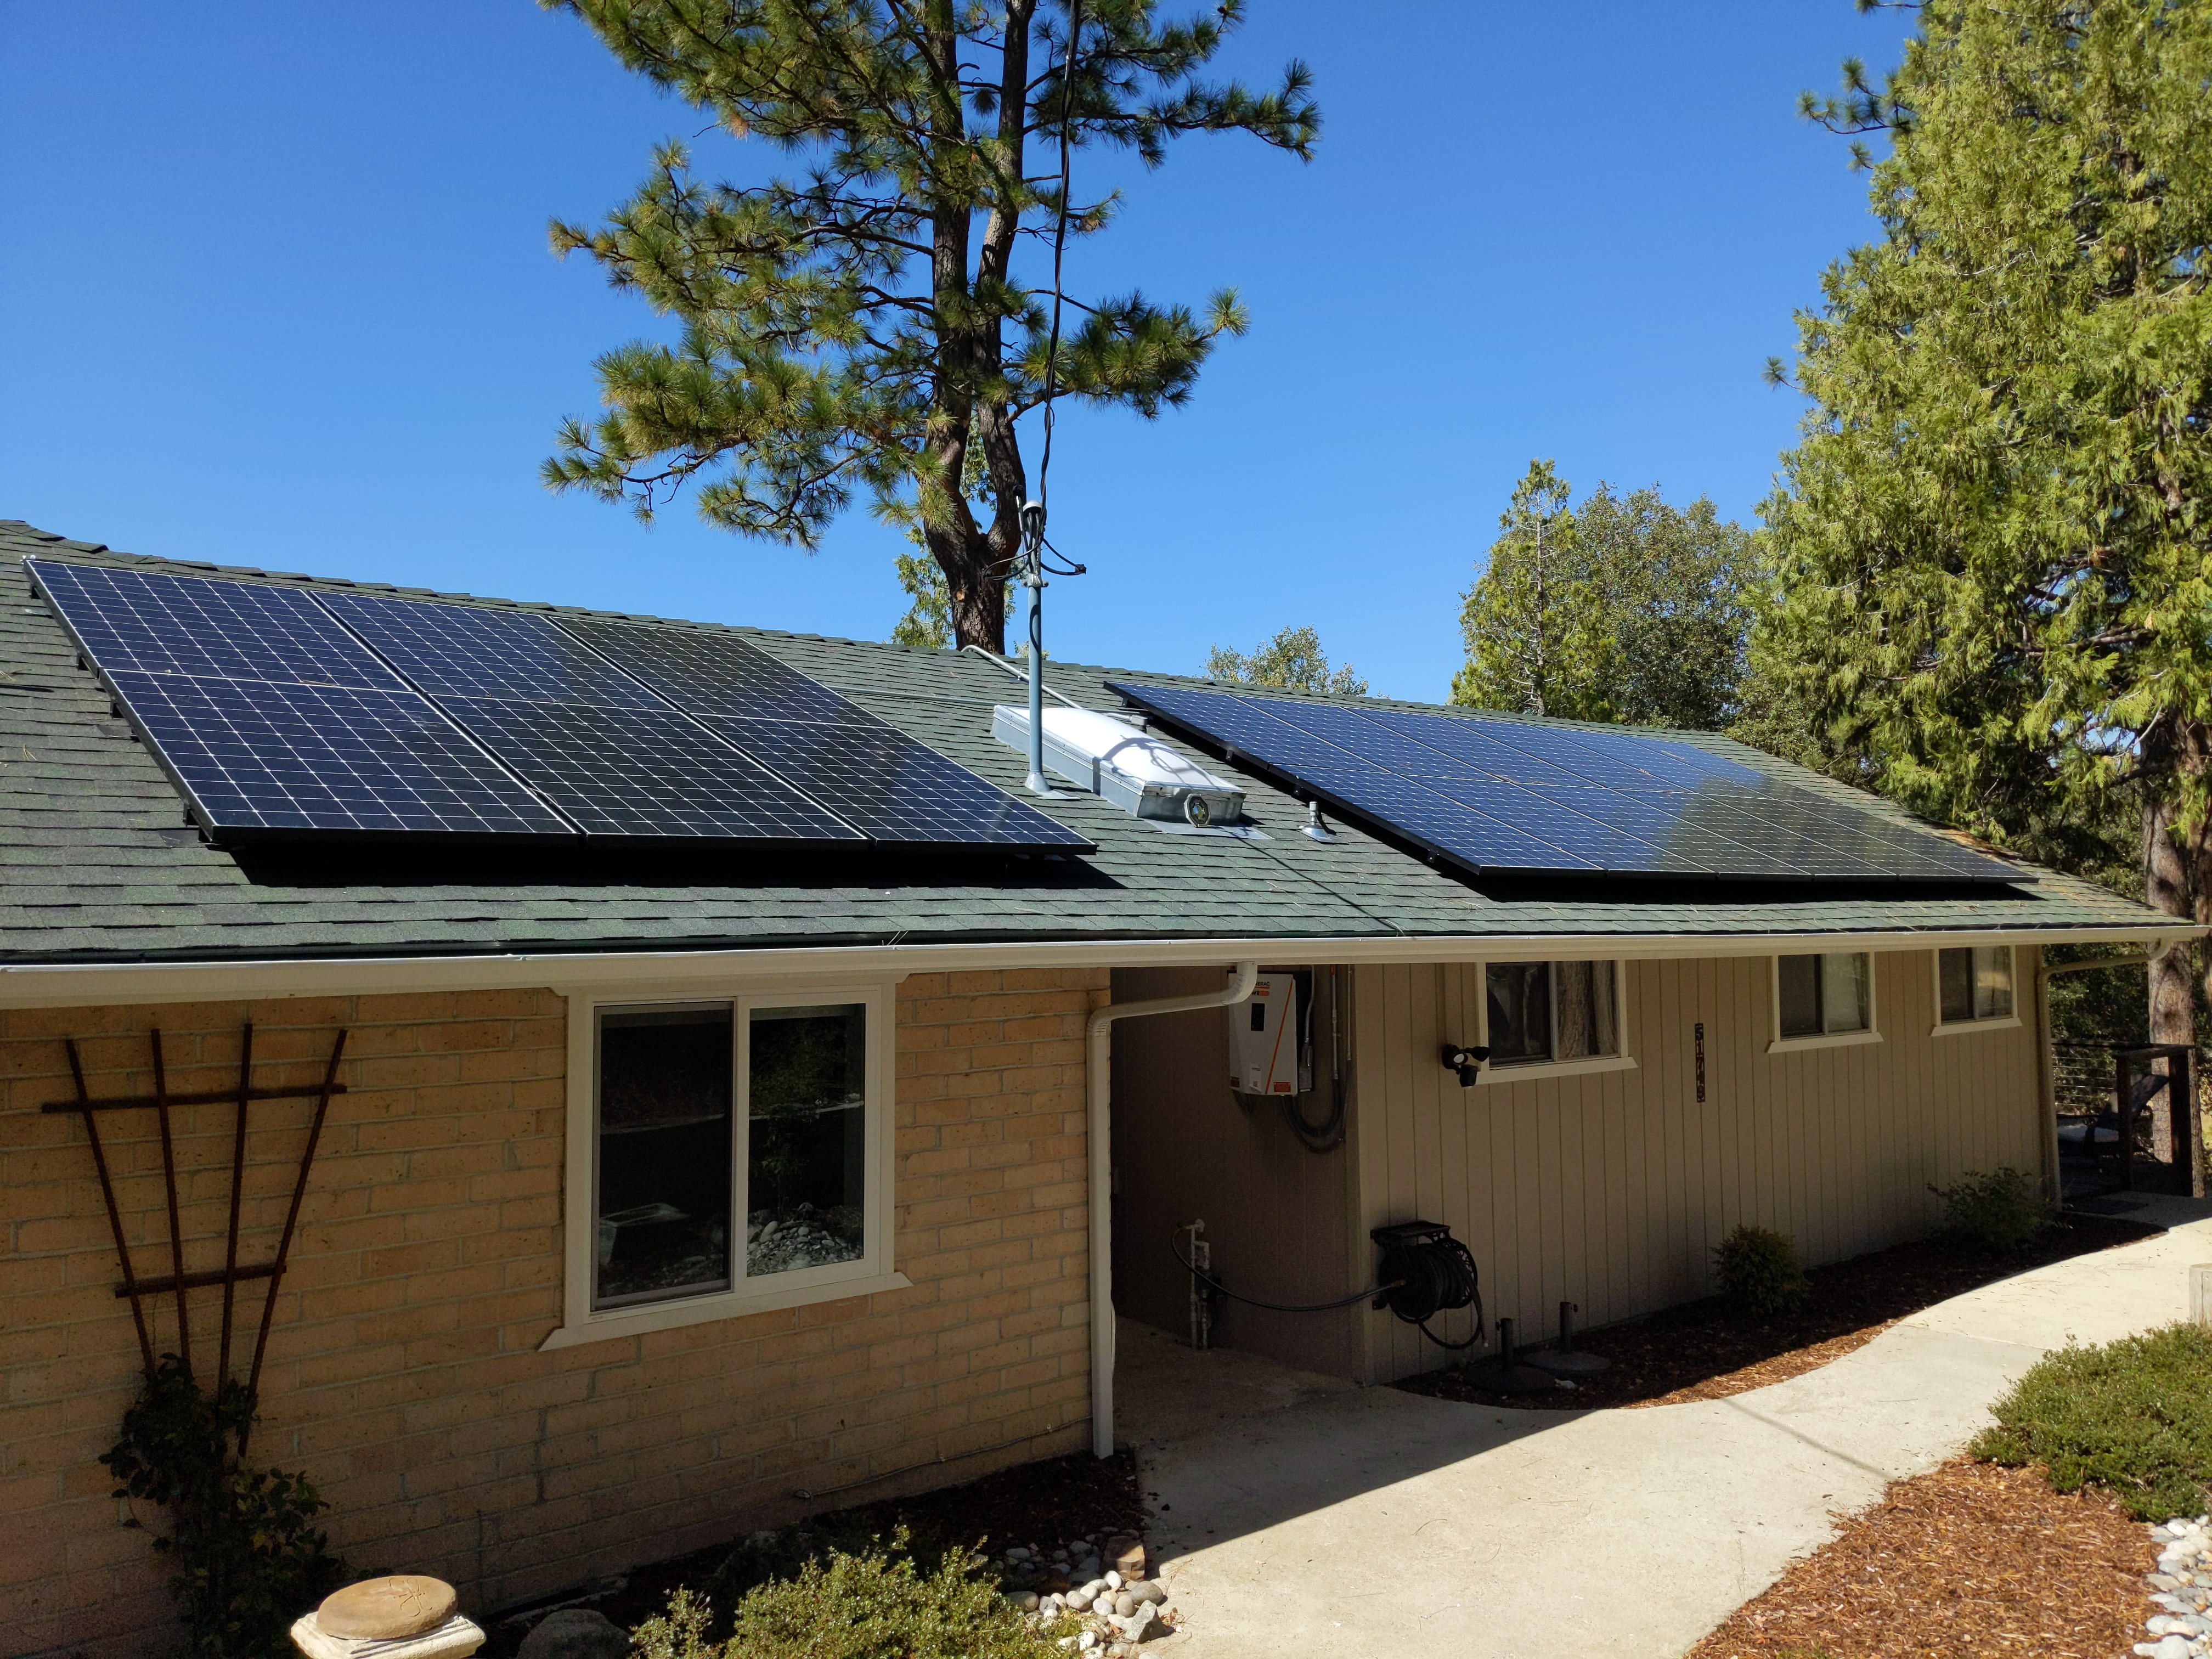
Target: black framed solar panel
<point>207,626</point>
<point>262,756</point>
<point>1567,800</point>
<point>474,651</point>
<point>865,770</point>
<point>270,718</point>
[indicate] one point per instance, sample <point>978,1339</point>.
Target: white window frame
<point>1782,1045</point>
<point>1528,1071</point>
<point>873,1271</point>
<point>1943,1027</point>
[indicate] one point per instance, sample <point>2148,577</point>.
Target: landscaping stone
<point>1116,1611</point>
<point>2182,1630</point>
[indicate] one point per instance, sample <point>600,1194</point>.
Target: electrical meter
<point>1263,1038</point>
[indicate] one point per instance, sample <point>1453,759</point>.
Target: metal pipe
<point>1097,1109</point>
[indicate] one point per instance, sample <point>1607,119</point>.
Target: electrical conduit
<point>1098,1117</point>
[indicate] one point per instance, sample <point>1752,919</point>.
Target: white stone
<point>1113,1580</point>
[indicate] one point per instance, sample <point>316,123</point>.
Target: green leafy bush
<point>2134,1417</point>
<point>1759,1272</point>
<point>247,1561</point>
<point>2003,1210</point>
<point>873,1604</point>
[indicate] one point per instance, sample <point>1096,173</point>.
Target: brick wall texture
<point>404,1374</point>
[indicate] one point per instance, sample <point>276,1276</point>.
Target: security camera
<point>1467,1062</point>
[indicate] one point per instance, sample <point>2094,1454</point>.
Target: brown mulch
<point>1046,1503</point>
<point>1969,1561</point>
<point>1706,1351</point>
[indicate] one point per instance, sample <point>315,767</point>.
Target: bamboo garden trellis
<point>230,1275</point>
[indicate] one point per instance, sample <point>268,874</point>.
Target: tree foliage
<point>1292,661</point>
<point>1991,538</point>
<point>861,329</point>
<point>1622,609</point>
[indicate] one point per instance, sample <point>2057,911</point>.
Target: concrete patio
<point>1298,1515</point>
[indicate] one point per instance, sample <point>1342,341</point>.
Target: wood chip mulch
<point>1706,1351</point>
<point>1970,1561</point>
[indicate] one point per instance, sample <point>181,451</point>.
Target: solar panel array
<point>278,709</point>
<point>1512,797</point>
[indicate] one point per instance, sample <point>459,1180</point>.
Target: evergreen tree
<point>1622,609</point>
<point>862,328</point>
<point>1992,537</point>
<point>1292,661</point>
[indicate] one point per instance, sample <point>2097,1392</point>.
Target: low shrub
<point>874,1603</point>
<point>1759,1272</point>
<point>2003,1210</point>
<point>2134,1417</point>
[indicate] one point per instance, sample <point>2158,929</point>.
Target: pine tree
<point>862,330</point>
<point>1623,609</point>
<point>1292,661</point>
<point>1993,535</point>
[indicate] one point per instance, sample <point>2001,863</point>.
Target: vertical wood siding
<point>1610,1189</point>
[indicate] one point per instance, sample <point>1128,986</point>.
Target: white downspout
<point>1097,1110</point>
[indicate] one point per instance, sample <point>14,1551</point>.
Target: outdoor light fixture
<point>1467,1062</point>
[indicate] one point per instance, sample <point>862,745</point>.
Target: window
<point>1973,986</point>
<point>1558,1013</point>
<point>725,1156</point>
<point>1829,997</point>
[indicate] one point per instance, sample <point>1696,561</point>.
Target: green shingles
<point>86,873</point>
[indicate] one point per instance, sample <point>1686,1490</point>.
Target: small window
<point>681,1178</point>
<point>1975,983</point>
<point>1824,995</point>
<point>1551,1011</point>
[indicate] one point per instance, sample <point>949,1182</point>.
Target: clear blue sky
<point>278,294</point>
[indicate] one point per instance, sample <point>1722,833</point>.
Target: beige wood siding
<point>1277,1216</point>
<point>1610,1189</point>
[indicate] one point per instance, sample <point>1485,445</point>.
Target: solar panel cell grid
<point>196,625</point>
<point>260,755</point>
<point>709,673</point>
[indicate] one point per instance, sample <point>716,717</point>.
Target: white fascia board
<point>85,984</point>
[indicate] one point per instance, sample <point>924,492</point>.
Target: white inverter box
<point>1263,1038</point>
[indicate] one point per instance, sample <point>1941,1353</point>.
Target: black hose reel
<point>1424,1272</point>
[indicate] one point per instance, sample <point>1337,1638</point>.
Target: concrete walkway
<point>1374,1524</point>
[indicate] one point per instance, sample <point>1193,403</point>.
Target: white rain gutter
<point>1098,1104</point>
<point>47,985</point>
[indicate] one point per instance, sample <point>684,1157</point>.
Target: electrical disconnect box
<point>1264,1038</point>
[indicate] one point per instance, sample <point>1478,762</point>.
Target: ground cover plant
<point>1710,1350</point>
<point>1030,1503</point>
<point>2132,1417</point>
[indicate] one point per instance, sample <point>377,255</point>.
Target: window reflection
<point>806,1138</point>
<point>663,1209</point>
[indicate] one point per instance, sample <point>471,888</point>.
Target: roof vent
<point>1113,758</point>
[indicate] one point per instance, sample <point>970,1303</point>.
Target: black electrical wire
<point>1059,246</point>
<point>1213,1284</point>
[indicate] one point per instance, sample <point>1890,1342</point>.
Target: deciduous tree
<point>1292,661</point>
<point>864,328</point>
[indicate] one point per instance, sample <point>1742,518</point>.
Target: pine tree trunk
<point>2176,880</point>
<point>978,600</point>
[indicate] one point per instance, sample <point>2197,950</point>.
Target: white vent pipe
<point>1097,1114</point>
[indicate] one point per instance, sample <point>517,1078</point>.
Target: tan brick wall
<point>403,1371</point>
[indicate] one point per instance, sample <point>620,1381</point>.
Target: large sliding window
<point>733,1154</point>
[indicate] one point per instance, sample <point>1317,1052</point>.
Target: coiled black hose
<point>1431,1276</point>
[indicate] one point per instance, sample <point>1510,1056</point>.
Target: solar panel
<point>870,772</point>
<point>610,754</point>
<point>268,717</point>
<point>1502,795</point>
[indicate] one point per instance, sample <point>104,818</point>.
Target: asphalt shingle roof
<point>96,863</point>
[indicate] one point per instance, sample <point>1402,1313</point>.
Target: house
<point>514,1341</point>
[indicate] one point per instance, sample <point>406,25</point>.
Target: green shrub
<point>2003,1210</point>
<point>1759,1272</point>
<point>2134,1417</point>
<point>874,1604</point>
<point>248,1559</point>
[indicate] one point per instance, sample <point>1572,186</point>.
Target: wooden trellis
<point>231,1275</point>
